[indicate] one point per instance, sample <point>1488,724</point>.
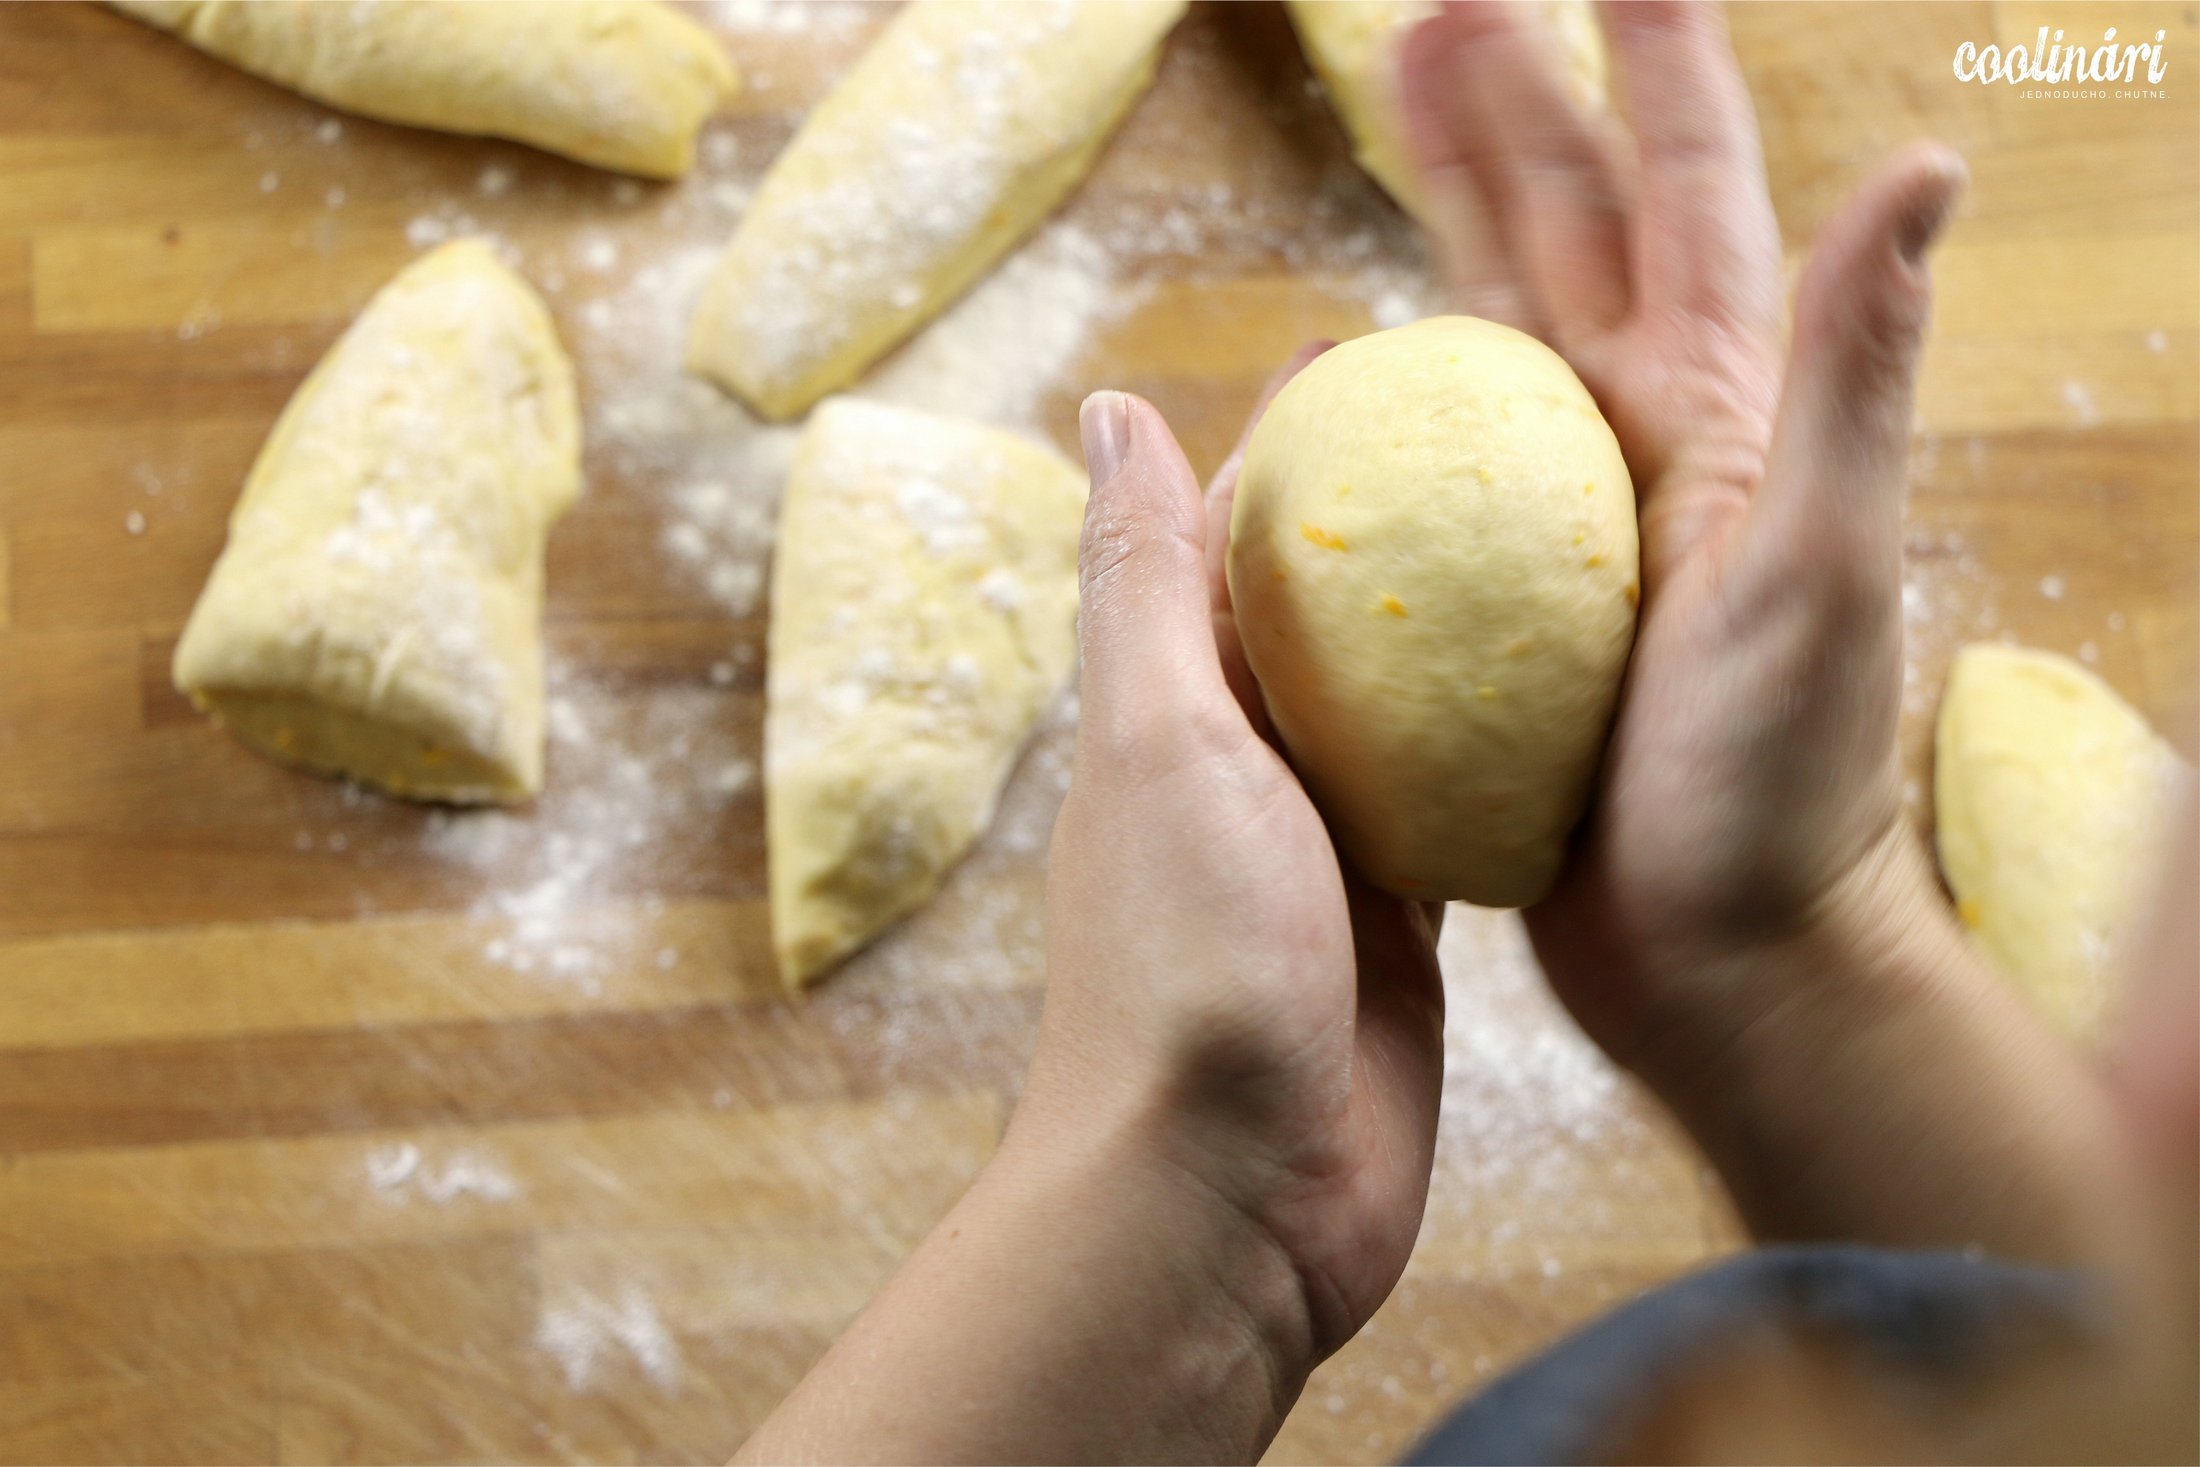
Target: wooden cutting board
<point>336,1129</point>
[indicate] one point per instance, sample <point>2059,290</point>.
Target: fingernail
<point>1917,232</point>
<point>1104,423</point>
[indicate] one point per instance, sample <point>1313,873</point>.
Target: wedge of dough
<point>376,612</point>
<point>924,602</point>
<point>621,84</point>
<point>960,128</point>
<point>2052,799</point>
<point>1353,47</point>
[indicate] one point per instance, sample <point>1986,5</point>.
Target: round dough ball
<point>1433,565</point>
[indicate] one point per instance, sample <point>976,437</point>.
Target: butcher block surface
<point>338,1129</point>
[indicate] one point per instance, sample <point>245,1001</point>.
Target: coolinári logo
<point>2051,68</point>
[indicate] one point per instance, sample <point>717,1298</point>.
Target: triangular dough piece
<point>1353,47</point>
<point>620,84</point>
<point>376,612</point>
<point>959,129</point>
<point>2052,800</point>
<point>924,605</point>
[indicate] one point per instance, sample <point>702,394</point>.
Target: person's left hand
<point>1218,1166</point>
<point>1217,982</point>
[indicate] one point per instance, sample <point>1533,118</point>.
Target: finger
<point>1706,242</point>
<point>1143,619</point>
<point>1443,130</point>
<point>1549,173</point>
<point>1398,1023</point>
<point>1222,488</point>
<point>1829,511</point>
<point>1221,499</point>
<point>2154,1070</point>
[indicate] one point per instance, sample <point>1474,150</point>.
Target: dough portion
<point>621,84</point>
<point>961,127</point>
<point>924,603</point>
<point>376,612</point>
<point>2052,801</point>
<point>1353,47</point>
<point>1433,565</point>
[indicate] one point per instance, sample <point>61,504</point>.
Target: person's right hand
<point>1752,785</point>
<point>1747,921</point>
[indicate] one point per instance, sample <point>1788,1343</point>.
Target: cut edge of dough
<point>402,760</point>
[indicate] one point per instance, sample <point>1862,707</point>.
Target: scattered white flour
<point>134,522</point>
<point>270,181</point>
<point>2157,341</point>
<point>597,253</point>
<point>579,1332</point>
<point>401,1171</point>
<point>330,130</point>
<point>2052,587</point>
<point>2077,397</point>
<point>335,197</point>
<point>825,19</point>
<point>1003,348</point>
<point>1523,1089</point>
<point>495,181</point>
<point>1947,598</point>
<point>622,781</point>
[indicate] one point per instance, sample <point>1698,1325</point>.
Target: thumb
<point>1834,480</point>
<point>1145,642</point>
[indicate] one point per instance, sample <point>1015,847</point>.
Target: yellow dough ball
<point>1433,565</point>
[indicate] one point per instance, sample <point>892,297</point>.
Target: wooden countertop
<point>336,1129</point>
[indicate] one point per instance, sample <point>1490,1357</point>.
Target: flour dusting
<point>404,1171</point>
<point>580,1332</point>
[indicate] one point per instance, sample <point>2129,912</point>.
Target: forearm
<point>1899,1093</point>
<point>1082,1302</point>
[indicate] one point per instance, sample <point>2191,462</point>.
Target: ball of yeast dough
<point>1433,567</point>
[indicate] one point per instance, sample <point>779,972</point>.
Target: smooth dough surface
<point>960,128</point>
<point>2051,805</point>
<point>621,84</point>
<point>924,602</point>
<point>1353,46</point>
<point>376,612</point>
<point>1433,565</point>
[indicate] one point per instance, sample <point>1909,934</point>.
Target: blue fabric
<point>1932,1317</point>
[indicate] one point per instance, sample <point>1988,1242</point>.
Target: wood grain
<point>296,1164</point>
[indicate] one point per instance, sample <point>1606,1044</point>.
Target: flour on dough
<point>376,611</point>
<point>960,128</point>
<point>2051,800</point>
<point>924,601</point>
<point>1353,46</point>
<point>622,84</point>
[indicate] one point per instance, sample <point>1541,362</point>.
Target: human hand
<point>1218,1165</point>
<point>1752,788</point>
<point>1217,984</point>
<point>1746,921</point>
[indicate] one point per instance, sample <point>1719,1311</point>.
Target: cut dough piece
<point>1353,47</point>
<point>376,612</point>
<point>620,84</point>
<point>924,603</point>
<point>2052,799</point>
<point>959,129</point>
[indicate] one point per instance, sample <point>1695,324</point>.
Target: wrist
<point>1107,1308</point>
<point>1885,1087</point>
<point>1174,1274</point>
<point>1867,949</point>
